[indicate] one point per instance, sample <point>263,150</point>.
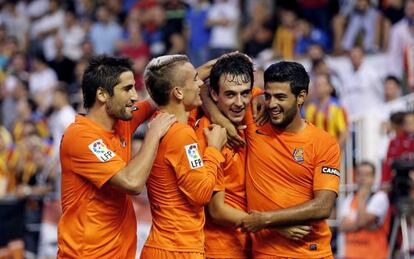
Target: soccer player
<point>183,177</point>
<point>292,171</point>
<point>231,82</point>
<point>98,220</point>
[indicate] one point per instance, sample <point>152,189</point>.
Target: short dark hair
<point>393,78</point>
<point>159,76</point>
<point>102,71</point>
<point>234,67</point>
<point>367,163</point>
<point>288,71</point>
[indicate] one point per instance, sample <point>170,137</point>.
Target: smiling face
<point>281,104</point>
<point>233,97</point>
<point>121,104</point>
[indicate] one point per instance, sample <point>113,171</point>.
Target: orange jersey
<point>283,170</point>
<point>227,242</point>
<point>98,221</point>
<point>181,183</point>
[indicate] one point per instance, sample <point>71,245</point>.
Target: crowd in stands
<point>45,45</point>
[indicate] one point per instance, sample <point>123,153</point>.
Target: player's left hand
<point>254,222</point>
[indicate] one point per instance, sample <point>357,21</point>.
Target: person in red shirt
<point>98,220</point>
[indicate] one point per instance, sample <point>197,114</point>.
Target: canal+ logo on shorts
<point>193,156</point>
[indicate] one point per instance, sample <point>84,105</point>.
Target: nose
<point>271,103</point>
<point>239,100</point>
<point>134,95</point>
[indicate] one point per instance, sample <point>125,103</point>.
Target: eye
<point>229,95</point>
<point>267,96</point>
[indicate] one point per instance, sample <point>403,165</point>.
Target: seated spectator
<point>223,20</point>
<point>401,45</point>
<point>306,35</point>
<point>284,40</point>
<point>392,12</point>
<point>364,217</point>
<point>199,34</point>
<point>365,21</point>
<point>392,88</point>
<point>257,34</point>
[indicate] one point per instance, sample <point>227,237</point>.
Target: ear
<point>213,94</point>
<point>301,97</point>
<point>177,92</point>
<point>102,95</point>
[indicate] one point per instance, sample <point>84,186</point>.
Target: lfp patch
<point>193,156</point>
<point>100,150</point>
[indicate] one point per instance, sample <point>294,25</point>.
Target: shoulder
<point>178,133</point>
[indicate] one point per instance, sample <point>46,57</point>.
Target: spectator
<point>364,217</point>
<point>325,112</point>
<point>105,32</point>
<point>61,64</point>
<point>306,35</point>
<point>364,18</point>
<point>401,45</point>
<point>257,34</point>
<point>198,33</point>
<point>72,35</point>
<point>42,81</point>
<point>135,48</point>
<point>392,88</point>
<point>284,40</point>
<point>17,23</point>
<point>223,19</point>
<point>362,86</point>
<point>392,12</point>
<point>401,147</point>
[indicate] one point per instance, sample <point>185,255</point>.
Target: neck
<point>99,115</point>
<point>323,99</point>
<point>296,126</point>
<point>178,110</point>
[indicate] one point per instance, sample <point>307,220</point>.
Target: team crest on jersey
<point>193,156</point>
<point>298,155</point>
<point>101,151</point>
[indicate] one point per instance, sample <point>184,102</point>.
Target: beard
<point>288,117</point>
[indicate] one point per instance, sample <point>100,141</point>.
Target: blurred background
<point>359,55</point>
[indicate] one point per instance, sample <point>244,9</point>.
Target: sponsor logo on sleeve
<point>193,156</point>
<point>330,170</point>
<point>101,151</point>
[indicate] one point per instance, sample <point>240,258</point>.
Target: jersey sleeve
<point>92,158</point>
<point>196,171</point>
<point>327,161</point>
<point>145,110</point>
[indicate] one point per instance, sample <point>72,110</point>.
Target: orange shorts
<point>155,253</point>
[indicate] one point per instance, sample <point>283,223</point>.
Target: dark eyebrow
<point>127,86</point>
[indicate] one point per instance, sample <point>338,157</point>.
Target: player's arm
<point>133,176</point>
<point>325,189</point>
<point>318,208</point>
<point>197,178</point>
<point>222,213</point>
